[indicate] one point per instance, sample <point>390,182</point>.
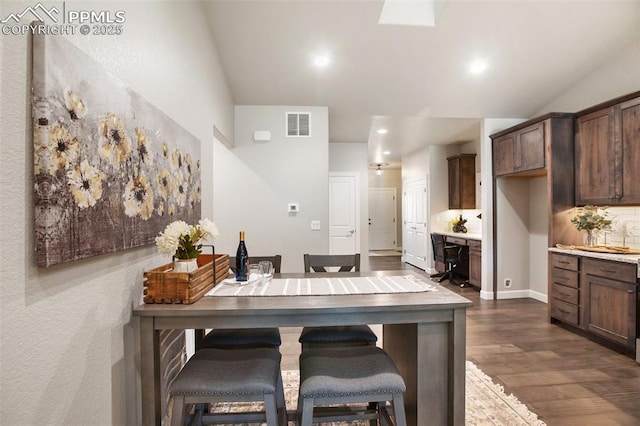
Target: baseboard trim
<point>522,294</point>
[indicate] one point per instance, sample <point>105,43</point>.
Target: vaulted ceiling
<point>415,80</point>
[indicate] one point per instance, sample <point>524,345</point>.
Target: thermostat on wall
<point>293,207</point>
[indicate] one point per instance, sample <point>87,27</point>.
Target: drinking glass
<point>256,273</point>
<point>267,269</point>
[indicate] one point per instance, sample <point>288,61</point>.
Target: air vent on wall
<point>298,124</point>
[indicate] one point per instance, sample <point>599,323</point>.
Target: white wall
<point>617,76</point>
<point>255,182</point>
<point>67,338</point>
<point>353,157</point>
<point>538,237</point>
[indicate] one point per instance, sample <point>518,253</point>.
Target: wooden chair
<point>221,338</point>
<point>318,262</point>
<point>348,335</point>
<point>451,255</point>
<point>276,260</point>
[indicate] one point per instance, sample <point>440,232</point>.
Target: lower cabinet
<point>599,297</point>
<point>475,262</point>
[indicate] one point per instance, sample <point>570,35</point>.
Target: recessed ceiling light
<point>386,152</point>
<point>381,131</point>
<point>478,66</point>
<point>321,61</point>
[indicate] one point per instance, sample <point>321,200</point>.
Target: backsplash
<point>441,222</point>
<point>625,229</point>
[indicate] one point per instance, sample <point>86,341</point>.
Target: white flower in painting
<point>85,182</point>
<point>138,197</point>
<point>115,142</point>
<point>76,107</point>
<point>63,147</point>
<point>180,189</point>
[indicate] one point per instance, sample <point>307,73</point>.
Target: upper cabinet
<point>519,151</point>
<point>608,153</point>
<point>462,181</point>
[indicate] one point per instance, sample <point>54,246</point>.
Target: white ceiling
<point>414,80</point>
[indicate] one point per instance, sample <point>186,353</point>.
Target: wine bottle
<point>242,260</point>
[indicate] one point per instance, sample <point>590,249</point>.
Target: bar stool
<point>243,338</point>
<point>357,374</point>
<point>240,375</point>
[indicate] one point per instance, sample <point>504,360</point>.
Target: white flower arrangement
<point>184,241</point>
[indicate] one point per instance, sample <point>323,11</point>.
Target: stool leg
<point>271,409</point>
<point>177,414</point>
<point>398,410</point>
<point>307,412</point>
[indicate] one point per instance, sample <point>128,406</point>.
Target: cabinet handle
<point>564,312</point>
<point>564,262</point>
<point>613,271</point>
<point>630,291</point>
<point>562,278</point>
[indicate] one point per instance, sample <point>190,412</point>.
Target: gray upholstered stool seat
<point>220,375</point>
<point>242,338</point>
<point>357,374</point>
<point>355,335</point>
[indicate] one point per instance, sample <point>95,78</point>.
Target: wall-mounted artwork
<point>110,169</point>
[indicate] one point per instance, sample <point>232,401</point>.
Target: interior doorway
<point>382,219</point>
<point>415,227</point>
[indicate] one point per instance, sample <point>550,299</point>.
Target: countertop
<point>466,235</point>
<point>627,258</point>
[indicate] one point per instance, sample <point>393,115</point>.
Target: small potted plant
<point>184,242</point>
<point>590,219</point>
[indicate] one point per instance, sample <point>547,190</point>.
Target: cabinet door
<point>530,148</point>
<point>595,158</point>
<point>611,309</point>
<point>503,151</point>
<point>455,198</point>
<point>475,268</point>
<point>629,130</point>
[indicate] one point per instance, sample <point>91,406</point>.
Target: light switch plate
<point>315,225</point>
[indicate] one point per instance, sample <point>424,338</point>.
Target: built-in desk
<point>471,269</point>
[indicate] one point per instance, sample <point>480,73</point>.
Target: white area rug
<point>486,402</point>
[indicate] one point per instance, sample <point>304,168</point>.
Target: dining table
<point>423,330</point>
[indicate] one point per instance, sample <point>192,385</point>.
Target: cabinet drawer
<point>456,240</point>
<point>474,245</point>
<point>567,294</point>
<point>564,261</point>
<point>564,311</point>
<point>619,271</point>
<point>564,277</point>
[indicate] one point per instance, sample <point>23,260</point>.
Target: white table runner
<point>326,286</point>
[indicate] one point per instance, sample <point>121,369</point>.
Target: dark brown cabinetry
<point>611,289</point>
<point>608,153</point>
<point>599,297</point>
<point>522,150</point>
<point>462,181</point>
<point>475,262</point>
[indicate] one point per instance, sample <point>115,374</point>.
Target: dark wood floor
<point>564,378</point>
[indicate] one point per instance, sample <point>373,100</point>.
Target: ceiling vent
<point>298,124</point>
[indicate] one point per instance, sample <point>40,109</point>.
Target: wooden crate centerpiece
<point>162,285</point>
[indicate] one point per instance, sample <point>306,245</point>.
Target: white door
<point>414,223</point>
<point>344,213</point>
<point>382,218</point>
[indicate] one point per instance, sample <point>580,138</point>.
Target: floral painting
<point>110,169</point>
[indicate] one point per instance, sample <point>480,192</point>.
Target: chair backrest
<point>276,260</point>
<point>318,262</point>
<point>443,252</point>
<point>437,245</point>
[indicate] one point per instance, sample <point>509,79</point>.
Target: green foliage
<point>591,218</point>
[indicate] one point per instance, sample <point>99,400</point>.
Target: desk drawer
<point>456,240</point>
<point>474,245</point>
<point>564,311</point>
<point>564,293</point>
<point>564,277</point>
<point>565,262</point>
